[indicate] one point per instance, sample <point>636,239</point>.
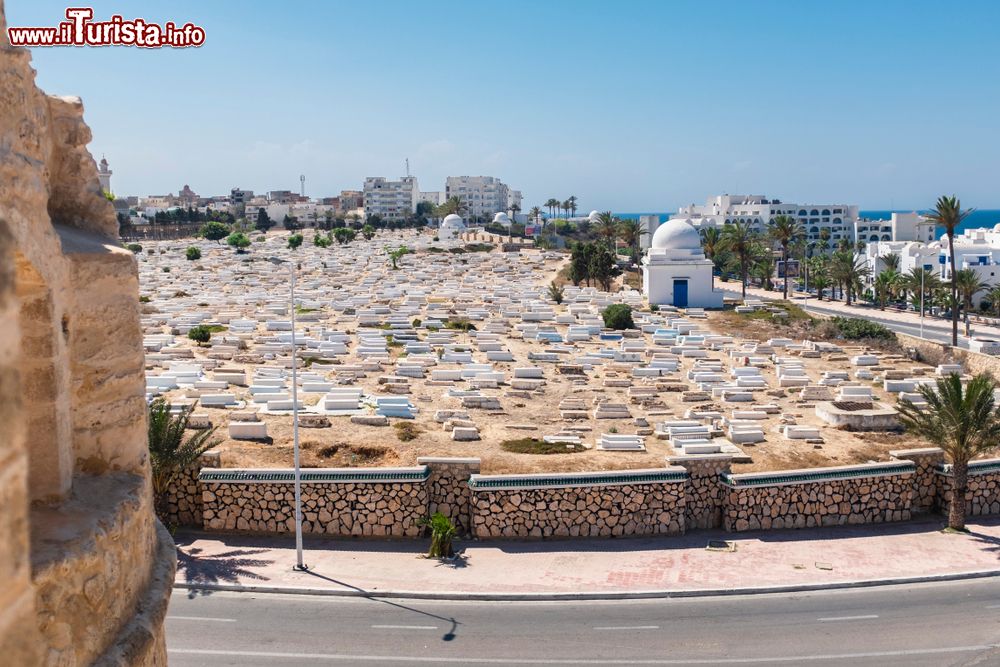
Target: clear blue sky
<point>630,106</point>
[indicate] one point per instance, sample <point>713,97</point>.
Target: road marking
<point>627,627</point>
<point>201,618</point>
<point>993,606</point>
<point>473,660</point>
<point>848,618</point>
<point>405,627</point>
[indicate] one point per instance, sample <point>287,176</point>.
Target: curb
<point>590,595</point>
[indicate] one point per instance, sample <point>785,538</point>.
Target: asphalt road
<point>932,624</point>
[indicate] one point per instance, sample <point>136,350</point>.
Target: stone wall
<point>93,585</point>
<point>870,493</point>
<point>448,489</point>
<point>925,478</point>
<point>183,501</point>
<point>359,502</point>
<point>983,496</point>
<point>615,504</point>
<point>935,353</point>
<point>705,496</point>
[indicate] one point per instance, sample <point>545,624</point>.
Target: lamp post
<point>299,565</point>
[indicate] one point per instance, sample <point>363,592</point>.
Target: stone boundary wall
<point>614,504</point>
<point>448,489</point>
<point>869,493</point>
<point>182,505</point>
<point>360,502</point>
<point>705,497</point>
<point>983,496</point>
<point>926,482</point>
<point>938,353</point>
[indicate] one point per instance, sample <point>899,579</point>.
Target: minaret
<point>104,175</point>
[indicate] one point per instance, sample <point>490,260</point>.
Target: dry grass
<point>406,431</point>
<point>536,446</point>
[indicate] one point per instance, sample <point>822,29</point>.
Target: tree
<point>290,223</point>
<point>738,238</point>
<point>631,232</point>
<point>240,241</point>
<point>134,248</point>
<point>963,422</point>
<point>886,284</point>
<point>322,240</point>
<point>169,451</point>
<point>556,292</point>
<point>786,231</point>
<point>607,226</point>
<point>264,221</point>
<point>214,231</point>
<point>848,271</point>
<point>200,334</point>
<point>453,204</point>
<point>921,283</point>
<point>968,285</point>
<point>948,213</point>
<point>618,316</point>
<point>192,253</point>
<point>397,254</point>
<point>579,263</point>
<point>571,205</point>
<point>603,266</point>
<point>344,235</point>
<point>819,277</point>
<point>368,232</point>
<point>534,213</point>
<point>294,241</point>
<point>552,204</point>
<point>993,296</point>
<point>890,261</point>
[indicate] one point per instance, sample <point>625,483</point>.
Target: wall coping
<point>925,451</point>
<point>315,475</point>
<point>983,467</point>
<point>427,460</point>
<point>575,479</point>
<point>812,475</point>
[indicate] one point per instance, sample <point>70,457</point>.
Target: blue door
<point>680,293</point>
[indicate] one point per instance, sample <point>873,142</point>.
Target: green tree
<point>571,205</point>
<point>192,253</point>
<point>454,205</point>
<point>322,240</point>
<point>785,231</point>
<point>295,241</point>
<point>344,235</point>
<point>921,283</point>
<point>368,232</point>
<point>263,222</point>
<point>552,204</point>
<point>964,422</point>
<point>607,226</point>
<point>886,284</point>
<point>397,254</point>
<point>240,241</point>
<point>214,231</point>
<point>738,238</point>
<point>556,293</point>
<point>169,451</point>
<point>200,334</point>
<point>890,261</point>
<point>618,316</point>
<point>603,266</point>
<point>134,248</point>
<point>993,297</point>
<point>948,213</point>
<point>968,285</point>
<point>819,276</point>
<point>849,272</point>
<point>631,232</point>
<point>579,263</point>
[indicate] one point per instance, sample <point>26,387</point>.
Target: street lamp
<point>299,565</point>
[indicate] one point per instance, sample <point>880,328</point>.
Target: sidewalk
<point>761,562</point>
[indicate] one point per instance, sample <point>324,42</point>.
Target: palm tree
<point>712,246</point>
<point>566,205</point>
<point>968,285</point>
<point>552,204</point>
<point>964,423</point>
<point>890,261</point>
<point>848,271</point>
<point>948,213</point>
<point>738,239</point>
<point>885,286</point>
<point>921,283</point>
<point>534,213</point>
<point>607,226</point>
<point>786,230</point>
<point>572,205</point>
<point>631,232</point>
<point>169,451</point>
<point>824,240</point>
<point>819,278</point>
<point>453,204</point>
<point>762,264</point>
<point>993,296</point>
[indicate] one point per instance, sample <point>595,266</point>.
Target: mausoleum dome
<point>452,221</point>
<point>501,218</point>
<point>594,216</point>
<point>678,234</point>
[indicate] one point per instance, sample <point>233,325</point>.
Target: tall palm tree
<point>607,226</point>
<point>948,213</point>
<point>712,246</point>
<point>824,240</point>
<point>885,286</point>
<point>993,296</point>
<point>454,204</point>
<point>534,213</point>
<point>819,276</point>
<point>572,205</point>
<point>890,261</point>
<point>631,232</point>
<point>566,205</point>
<point>786,231</point>
<point>762,264</point>
<point>848,271</point>
<point>738,239</point>
<point>552,204</point>
<point>921,283</point>
<point>968,285</point>
<point>965,423</point>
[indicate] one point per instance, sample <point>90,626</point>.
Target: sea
<point>978,218</point>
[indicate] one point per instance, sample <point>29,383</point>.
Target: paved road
<point>934,624</point>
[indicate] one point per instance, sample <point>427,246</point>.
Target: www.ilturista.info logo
<point>80,30</point>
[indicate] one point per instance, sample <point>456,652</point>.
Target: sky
<point>629,105</point>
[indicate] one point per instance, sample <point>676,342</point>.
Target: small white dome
<point>594,216</point>
<point>452,221</point>
<point>677,234</point>
<point>501,218</point>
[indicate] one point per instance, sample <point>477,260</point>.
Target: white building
<point>484,196</point>
<point>435,197</point>
<point>900,227</point>
<point>758,211</point>
<point>392,200</point>
<point>649,224</point>
<point>451,227</point>
<point>104,175</point>
<point>675,270</point>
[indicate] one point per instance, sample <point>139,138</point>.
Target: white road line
<point>201,618</point>
<point>993,606</point>
<point>627,627</point>
<point>848,618</point>
<point>473,660</point>
<point>405,627</point>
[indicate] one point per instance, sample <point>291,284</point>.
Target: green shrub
<point>654,307</point>
<point>134,247</point>
<point>536,446</point>
<point>200,334</point>
<point>442,533</point>
<point>853,328</point>
<point>294,241</point>
<point>192,253</point>
<point>618,316</point>
<point>556,292</point>
<point>416,322</point>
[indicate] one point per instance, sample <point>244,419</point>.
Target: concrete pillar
<point>926,492</point>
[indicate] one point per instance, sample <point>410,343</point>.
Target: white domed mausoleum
<point>501,218</point>
<point>451,227</point>
<point>675,271</point>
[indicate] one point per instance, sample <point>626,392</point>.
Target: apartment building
<point>484,196</point>
<point>392,200</point>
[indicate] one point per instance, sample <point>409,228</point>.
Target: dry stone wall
<point>448,489</point>
<point>705,496</point>
<point>359,502</point>
<point>182,505</point>
<point>645,502</point>
<point>872,493</point>
<point>925,478</point>
<point>983,496</point>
